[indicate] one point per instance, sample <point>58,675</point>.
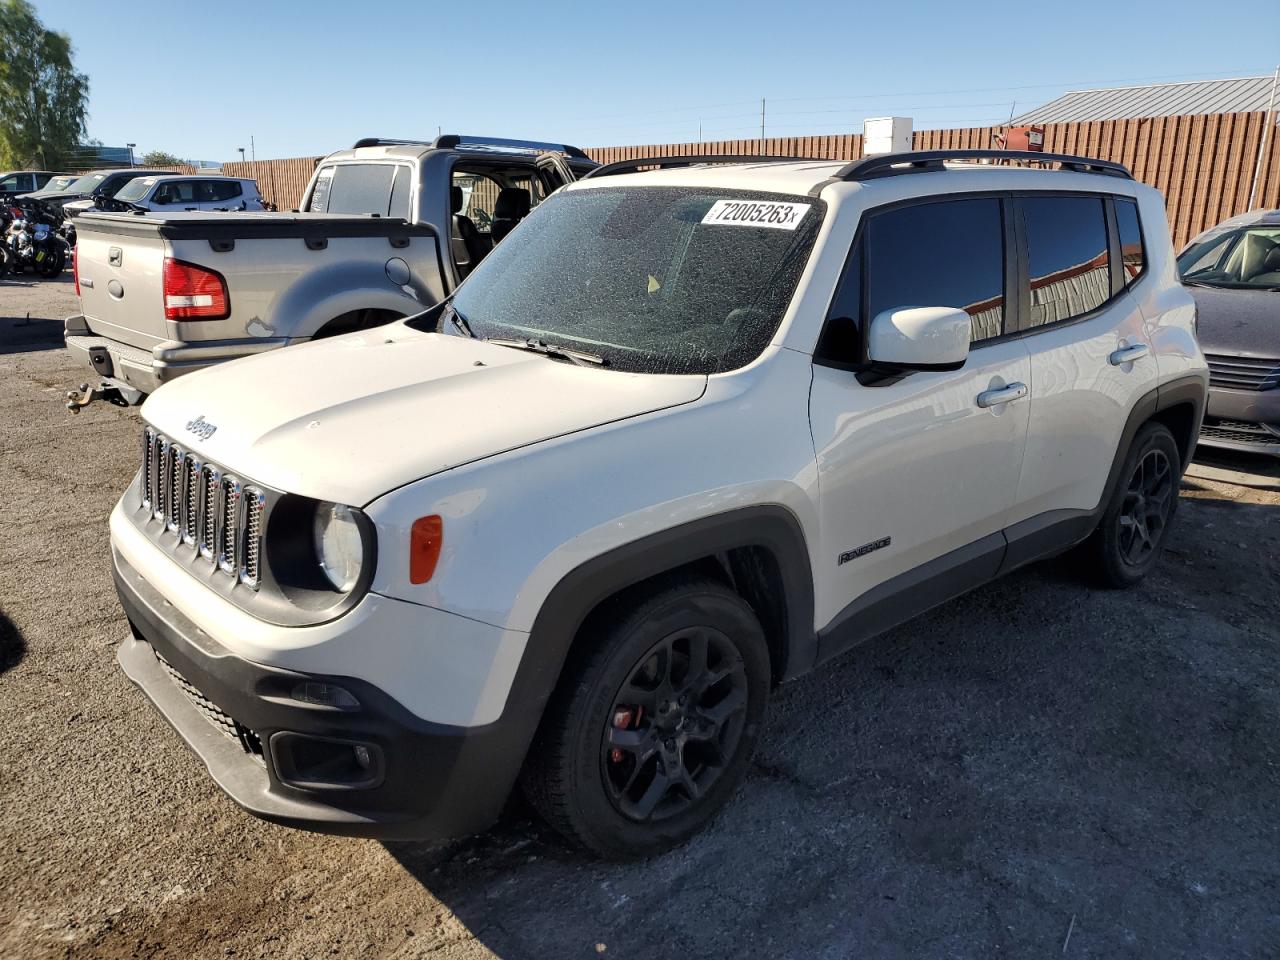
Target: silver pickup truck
<point>387,229</point>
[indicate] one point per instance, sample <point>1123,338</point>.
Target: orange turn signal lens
<point>425,541</point>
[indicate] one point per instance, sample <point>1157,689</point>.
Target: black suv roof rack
<point>661,163</point>
<point>386,142</point>
<point>450,141</point>
<point>922,161</point>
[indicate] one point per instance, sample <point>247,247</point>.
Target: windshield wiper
<point>1201,283</point>
<point>460,322</point>
<point>533,345</point>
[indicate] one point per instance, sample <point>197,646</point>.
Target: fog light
<point>321,763</point>
<point>324,695</point>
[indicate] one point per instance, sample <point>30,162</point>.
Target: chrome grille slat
<point>1243,373</point>
<point>206,509</point>
<point>191,499</point>
<point>210,511</point>
<point>148,446</point>
<point>163,464</point>
<point>229,526</point>
<point>174,498</point>
<point>254,503</point>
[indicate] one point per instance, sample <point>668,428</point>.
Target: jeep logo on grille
<point>201,427</point>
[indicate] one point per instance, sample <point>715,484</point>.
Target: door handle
<point>1128,354</point>
<point>993,398</point>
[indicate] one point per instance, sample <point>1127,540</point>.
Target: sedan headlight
<point>338,545</point>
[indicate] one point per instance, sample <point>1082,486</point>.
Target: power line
<point>689,113</point>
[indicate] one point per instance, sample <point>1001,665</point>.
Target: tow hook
<point>85,395</point>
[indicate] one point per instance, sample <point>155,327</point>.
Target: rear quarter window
<point>357,188</point>
<point>1133,255</point>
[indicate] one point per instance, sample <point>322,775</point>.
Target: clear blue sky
<point>306,78</point>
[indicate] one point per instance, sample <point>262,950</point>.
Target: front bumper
<point>425,780</point>
<point>1242,420</point>
<point>144,371</point>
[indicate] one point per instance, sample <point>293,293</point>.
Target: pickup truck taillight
<point>75,267</point>
<point>193,293</point>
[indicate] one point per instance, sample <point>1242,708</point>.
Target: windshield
<point>136,189</point>
<point>87,183</point>
<point>651,279</point>
<point>1247,258</point>
<point>59,184</point>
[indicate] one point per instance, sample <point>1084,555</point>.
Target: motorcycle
<point>32,240</point>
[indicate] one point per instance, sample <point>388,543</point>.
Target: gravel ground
<point>1039,769</point>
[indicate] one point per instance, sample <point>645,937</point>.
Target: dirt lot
<point>1038,764</point>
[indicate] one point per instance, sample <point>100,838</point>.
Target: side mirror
<point>920,338</point>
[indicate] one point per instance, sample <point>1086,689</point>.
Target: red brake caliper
<point>624,718</point>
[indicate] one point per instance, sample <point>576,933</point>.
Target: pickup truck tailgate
<point>121,284</point>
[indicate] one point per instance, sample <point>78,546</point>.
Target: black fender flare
<point>1051,532</point>
<point>578,593</point>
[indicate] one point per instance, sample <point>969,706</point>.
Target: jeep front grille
<point>1243,373</point>
<point>202,506</point>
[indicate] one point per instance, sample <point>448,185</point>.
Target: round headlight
<point>339,547</point>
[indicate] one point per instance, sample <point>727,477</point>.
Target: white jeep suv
<point>688,433</point>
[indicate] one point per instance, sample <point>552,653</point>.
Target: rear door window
<point>217,190</point>
<point>1068,257</point>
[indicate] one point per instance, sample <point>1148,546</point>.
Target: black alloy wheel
<point>1146,508</point>
<point>650,729</point>
<point>1134,525</point>
<point>677,717</point>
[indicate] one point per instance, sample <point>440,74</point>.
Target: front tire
<point>1132,530</point>
<point>650,733</point>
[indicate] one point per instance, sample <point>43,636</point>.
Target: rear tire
<point>649,734</point>
<point>1131,533</point>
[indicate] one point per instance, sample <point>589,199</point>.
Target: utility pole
<point>253,151</point>
<point>1269,121</point>
<point>762,124</point>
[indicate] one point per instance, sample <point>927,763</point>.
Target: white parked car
<point>173,192</point>
<point>686,434</point>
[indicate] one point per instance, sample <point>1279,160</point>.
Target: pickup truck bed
<point>286,275</point>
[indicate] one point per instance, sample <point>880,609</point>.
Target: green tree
<point>43,100</point>
<point>159,158</point>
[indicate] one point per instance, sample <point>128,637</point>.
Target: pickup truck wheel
<point>650,734</point>
<point>1132,531</point>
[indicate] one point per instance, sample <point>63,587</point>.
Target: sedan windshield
<point>646,279</point>
<point>1247,258</point>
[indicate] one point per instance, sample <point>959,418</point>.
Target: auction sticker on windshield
<point>776,215</point>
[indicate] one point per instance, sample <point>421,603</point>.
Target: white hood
<point>352,418</point>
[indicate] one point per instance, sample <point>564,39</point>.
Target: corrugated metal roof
<point>1155,100</point>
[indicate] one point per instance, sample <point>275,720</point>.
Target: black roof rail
<point>631,166</point>
<point>386,142</point>
<point>451,140</point>
<point>921,161</point>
